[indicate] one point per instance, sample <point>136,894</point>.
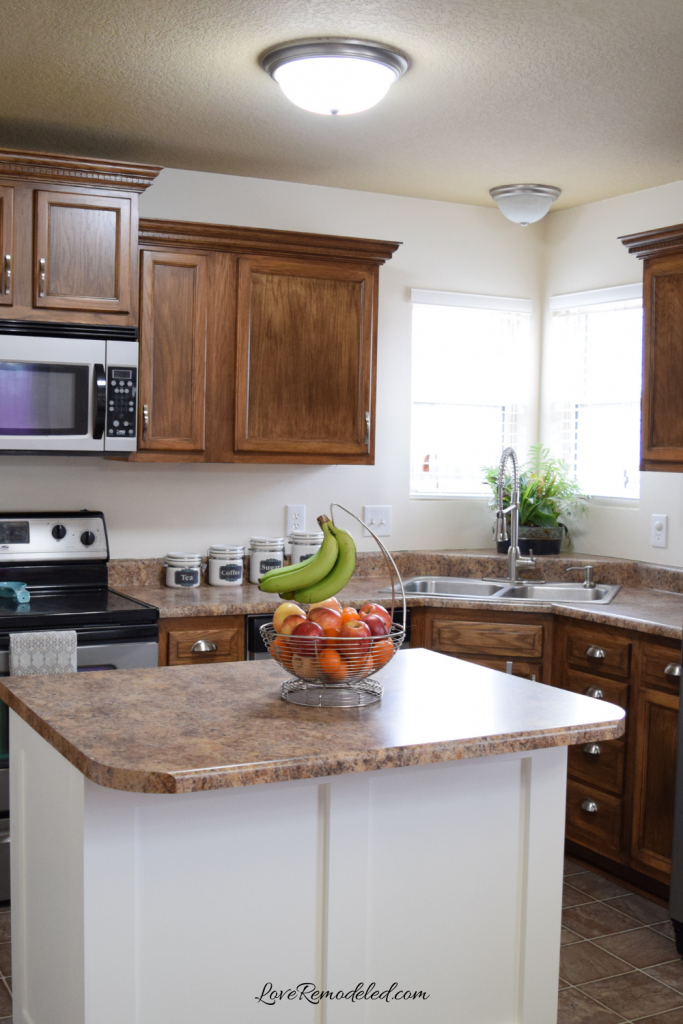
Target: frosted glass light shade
<point>525,204</point>
<point>334,76</point>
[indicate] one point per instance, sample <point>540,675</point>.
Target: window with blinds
<point>593,390</point>
<point>471,371</point>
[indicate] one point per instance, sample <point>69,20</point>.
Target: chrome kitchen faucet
<point>515,559</point>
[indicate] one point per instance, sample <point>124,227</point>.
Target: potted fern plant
<point>547,494</point>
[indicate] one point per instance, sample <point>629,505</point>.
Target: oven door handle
<point>100,399</point>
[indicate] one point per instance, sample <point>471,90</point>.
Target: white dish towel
<point>42,654</point>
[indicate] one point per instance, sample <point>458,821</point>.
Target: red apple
<point>290,624</point>
<point>331,602</point>
<point>307,636</point>
<point>327,618</point>
<point>283,610</point>
<point>376,609</point>
<point>377,624</point>
<point>355,639</point>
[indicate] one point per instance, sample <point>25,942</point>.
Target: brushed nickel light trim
<point>525,204</point>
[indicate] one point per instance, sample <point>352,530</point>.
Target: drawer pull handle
<point>590,806</point>
<point>8,274</point>
<point>203,647</point>
<point>595,692</point>
<point>592,748</point>
<point>42,271</point>
<point>595,652</point>
<point>145,421</point>
<point>674,669</point>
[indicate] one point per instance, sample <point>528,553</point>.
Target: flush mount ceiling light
<point>334,76</point>
<point>525,204</point>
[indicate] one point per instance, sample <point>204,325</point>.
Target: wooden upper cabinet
<point>173,352</point>
<point>655,776</point>
<point>305,350</point>
<point>7,243</point>
<point>82,252</point>
<point>68,227</point>
<point>662,411</point>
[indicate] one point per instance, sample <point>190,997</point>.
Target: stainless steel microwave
<point>67,389</point>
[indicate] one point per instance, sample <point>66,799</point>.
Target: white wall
<point>152,509</point>
<point>581,252</point>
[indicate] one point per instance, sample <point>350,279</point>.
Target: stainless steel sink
<point>570,593</point>
<point>482,590</point>
<point>449,586</point>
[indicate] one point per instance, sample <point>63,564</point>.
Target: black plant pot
<point>542,540</point>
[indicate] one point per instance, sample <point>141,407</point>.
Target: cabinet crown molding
<point>262,241</point>
<point>661,241</point>
<point>76,170</point>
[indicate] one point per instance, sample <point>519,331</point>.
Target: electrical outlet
<point>659,530</point>
<point>295,518</point>
<point>379,518</point>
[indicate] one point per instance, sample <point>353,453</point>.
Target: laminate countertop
<point>647,610</point>
<point>192,728</point>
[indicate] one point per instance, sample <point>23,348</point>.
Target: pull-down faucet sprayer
<point>514,557</point>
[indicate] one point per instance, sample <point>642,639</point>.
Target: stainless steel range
<point>61,559</point>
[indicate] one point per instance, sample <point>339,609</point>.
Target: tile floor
<point>618,961</point>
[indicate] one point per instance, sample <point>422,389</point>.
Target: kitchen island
<point>192,848</point>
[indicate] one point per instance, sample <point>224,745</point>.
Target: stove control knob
<point>88,538</point>
<point>59,532</point>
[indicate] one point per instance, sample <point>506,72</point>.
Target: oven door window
<point>38,399</point>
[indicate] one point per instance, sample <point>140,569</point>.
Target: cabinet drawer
<point>526,669</point>
<point>192,647</point>
<point>604,769</point>
<point>593,651</point>
<point>612,691</point>
<point>600,830</point>
<point>487,638</point>
<point>656,659</point>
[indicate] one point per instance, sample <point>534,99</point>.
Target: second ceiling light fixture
<point>334,76</point>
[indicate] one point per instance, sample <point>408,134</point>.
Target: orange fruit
<point>280,650</point>
<point>381,653</point>
<point>333,666</point>
<point>348,614</point>
<point>331,637</point>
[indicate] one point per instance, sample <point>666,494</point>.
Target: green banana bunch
<point>304,574</point>
<point>337,578</point>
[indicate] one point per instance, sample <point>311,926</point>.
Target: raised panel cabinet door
<point>655,774</point>
<point>173,322</point>
<point>7,243</point>
<point>305,351</point>
<point>82,252</point>
<point>662,415</point>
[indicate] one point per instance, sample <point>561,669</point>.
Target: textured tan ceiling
<point>584,94</point>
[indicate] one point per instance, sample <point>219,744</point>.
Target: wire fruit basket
<point>336,672</point>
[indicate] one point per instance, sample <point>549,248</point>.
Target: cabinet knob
<point>592,748</point>
<point>673,669</point>
<point>595,652</point>
<point>590,806</point>
<point>42,268</point>
<point>203,647</point>
<point>595,692</point>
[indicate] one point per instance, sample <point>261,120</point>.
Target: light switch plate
<point>659,531</point>
<point>295,518</point>
<point>379,518</point>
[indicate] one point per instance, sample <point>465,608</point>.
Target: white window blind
<point>470,381</point>
<point>594,387</point>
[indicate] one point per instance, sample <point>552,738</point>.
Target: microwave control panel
<point>122,406</point>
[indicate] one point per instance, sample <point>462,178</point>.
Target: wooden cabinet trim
<point>650,789</point>
<point>76,170</point>
<point>265,242</point>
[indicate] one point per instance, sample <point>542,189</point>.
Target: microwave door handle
<point>100,399</point>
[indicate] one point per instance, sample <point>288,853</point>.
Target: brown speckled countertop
<point>657,612</point>
<point>185,729</point>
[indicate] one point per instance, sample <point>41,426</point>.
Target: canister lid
<point>302,536</point>
<point>226,551</point>
<point>271,542</point>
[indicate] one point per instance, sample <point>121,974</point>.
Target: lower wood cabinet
<point>201,640</point>
<point>620,793</point>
